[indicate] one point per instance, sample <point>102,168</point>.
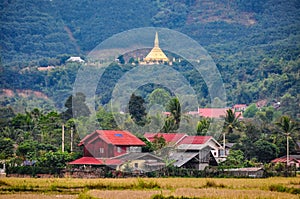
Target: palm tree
<point>203,126</point>
<point>231,122</point>
<point>175,109</point>
<point>287,127</point>
<point>172,122</point>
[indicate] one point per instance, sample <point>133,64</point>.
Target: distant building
<point>156,55</point>
<point>212,112</point>
<point>239,107</point>
<point>253,172</point>
<point>45,68</point>
<point>75,59</point>
<point>293,160</point>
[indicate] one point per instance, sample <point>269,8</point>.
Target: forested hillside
<point>256,44</point>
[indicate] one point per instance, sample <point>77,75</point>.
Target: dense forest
<point>255,45</point>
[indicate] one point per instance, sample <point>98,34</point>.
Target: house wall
<point>120,150</point>
<point>99,149</point>
<point>216,148</point>
<point>253,174</point>
<point>132,165</point>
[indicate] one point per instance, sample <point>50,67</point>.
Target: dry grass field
<point>156,188</point>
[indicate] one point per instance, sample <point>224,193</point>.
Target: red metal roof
<point>114,137</point>
<point>113,161</point>
<point>87,160</point>
<point>212,112</point>
<point>283,160</point>
<point>95,161</point>
<point>169,137</point>
<point>195,140</point>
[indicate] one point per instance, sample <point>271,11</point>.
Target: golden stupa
<point>156,54</point>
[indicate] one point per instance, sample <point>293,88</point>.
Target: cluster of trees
<point>258,140</point>
<point>36,136</point>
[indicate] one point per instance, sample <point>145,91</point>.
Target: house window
<point>101,150</point>
<point>136,165</point>
<point>135,149</point>
<point>119,150</point>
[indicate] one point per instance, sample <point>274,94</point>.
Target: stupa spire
<point>156,54</point>
<point>156,42</point>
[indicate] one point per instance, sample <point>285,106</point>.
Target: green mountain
<point>256,44</point>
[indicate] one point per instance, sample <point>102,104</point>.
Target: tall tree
<point>6,148</point>
<point>174,108</point>
<point>287,127</point>
<point>137,109</point>
<point>76,107</point>
<point>265,151</point>
<point>159,96</point>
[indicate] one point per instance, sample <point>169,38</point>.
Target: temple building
<point>156,54</point>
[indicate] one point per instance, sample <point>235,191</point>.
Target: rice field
<point>155,188</point>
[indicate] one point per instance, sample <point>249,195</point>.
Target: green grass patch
<point>147,185</point>
<point>281,188</point>
<point>141,184</point>
<point>85,195</point>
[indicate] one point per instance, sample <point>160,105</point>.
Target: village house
<point>110,143</point>
<point>75,59</point>
<point>195,152</point>
<point>118,150</point>
<point>252,172</point>
<point>293,160</point>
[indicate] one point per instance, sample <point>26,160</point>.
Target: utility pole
<point>71,139</point>
<point>63,138</point>
<point>224,145</point>
<point>287,149</point>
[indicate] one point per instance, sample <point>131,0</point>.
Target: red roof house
<point>195,143</point>
<point>110,143</point>
<point>171,138</point>
<point>293,160</point>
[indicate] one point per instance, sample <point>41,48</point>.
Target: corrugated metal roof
<point>192,146</point>
<point>245,169</point>
<point>182,158</point>
<point>86,160</point>
<point>169,137</point>
<point>295,158</point>
<point>114,137</point>
<point>195,140</point>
